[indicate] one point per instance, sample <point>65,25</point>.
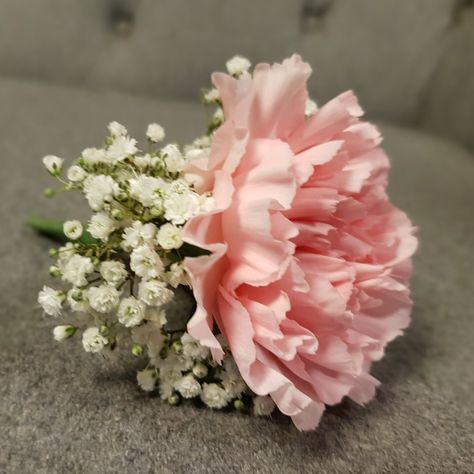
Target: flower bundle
<point>261,266</point>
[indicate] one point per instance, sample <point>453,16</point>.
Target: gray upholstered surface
<point>409,60</point>
<point>64,411</point>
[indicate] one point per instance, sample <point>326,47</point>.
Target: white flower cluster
<point>120,270</point>
<point>181,368</point>
<point>126,261</point>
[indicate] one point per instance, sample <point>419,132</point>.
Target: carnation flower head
<point>307,276</point>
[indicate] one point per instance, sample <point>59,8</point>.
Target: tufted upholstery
<point>406,60</point>
<point>409,61</point>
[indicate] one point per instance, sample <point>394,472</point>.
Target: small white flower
<point>196,154</point>
<point>103,298</point>
<point>131,312</point>
<point>181,207</point>
<point>76,174</point>
<point>117,129</point>
<point>178,186</point>
<point>214,396</point>
<point>212,95</point>
<point>192,349</point>
<point>113,272</point>
<point>99,190</point>
<point>64,255</point>
<point>146,263</point>
<point>77,300</point>
<point>310,107</point>
<point>138,234</point>
<point>72,229</point>
<point>101,226</point>
<point>203,141</point>
<point>146,379</point>
<point>61,333</point>
<point>154,293</point>
<point>76,269</point>
<point>263,406</point>
<point>237,65</point>
<point>219,114</point>
<point>121,148</point>
<point>53,164</point>
<point>200,370</point>
<point>188,386</point>
<point>147,190</point>
<point>173,158</point>
<point>92,340</point>
<point>177,276</point>
<point>51,301</point>
<point>169,237</point>
<point>232,381</point>
<point>92,156</point>
<point>143,161</point>
<point>155,132</point>
<point>167,381</point>
<point>207,204</point>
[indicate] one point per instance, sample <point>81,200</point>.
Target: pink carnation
<point>309,265</point>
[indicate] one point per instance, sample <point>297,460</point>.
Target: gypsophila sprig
<point>121,269</point>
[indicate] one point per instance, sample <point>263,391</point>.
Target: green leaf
<point>53,228</point>
<point>188,250</point>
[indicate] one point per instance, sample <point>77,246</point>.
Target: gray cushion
<point>172,45</point>
<point>387,51</point>
<point>62,410</point>
<point>449,107</point>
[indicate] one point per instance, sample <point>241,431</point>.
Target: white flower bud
<point>60,333</point>
<point>173,158</point>
<point>169,237</point>
<point>117,129</point>
<point>146,263</point>
<point>51,301</point>
<point>93,156</point>
<point>76,268</point>
<point>113,272</point>
<point>147,190</point>
<point>219,114</point>
<point>146,379</point>
<point>214,396</point>
<point>155,132</point>
<point>263,406</point>
<point>131,312</point>
<point>212,95</point>
<point>76,174</point>
<point>72,229</point>
<point>237,65</point>
<point>200,370</point>
<point>53,164</point>
<point>103,298</point>
<point>121,148</point>
<point>93,340</point>
<point>154,293</point>
<point>101,226</point>
<point>188,386</point>
<point>100,189</point>
<point>310,107</point>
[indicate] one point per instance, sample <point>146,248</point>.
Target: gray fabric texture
<point>62,410</point>
<point>449,107</point>
<point>410,62</point>
<point>386,51</point>
<point>168,47</point>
